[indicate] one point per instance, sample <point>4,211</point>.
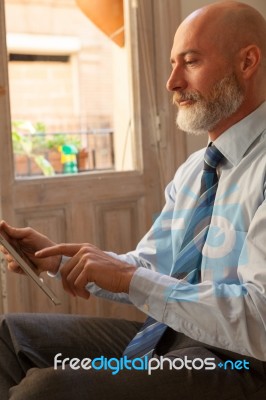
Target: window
<point>69,91</point>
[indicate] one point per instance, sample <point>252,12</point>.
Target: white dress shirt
<point>227,308</point>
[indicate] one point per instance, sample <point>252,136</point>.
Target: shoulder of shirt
<point>192,163</point>
<point>194,158</point>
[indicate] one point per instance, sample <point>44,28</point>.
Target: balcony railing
<point>86,151</point>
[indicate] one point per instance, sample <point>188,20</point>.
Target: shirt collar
<point>236,140</point>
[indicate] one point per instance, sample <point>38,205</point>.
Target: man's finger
<point>14,233</point>
<point>61,249</point>
<point>69,273</point>
<point>80,285</point>
<point>14,267</point>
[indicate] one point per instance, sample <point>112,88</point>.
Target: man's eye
<point>190,62</point>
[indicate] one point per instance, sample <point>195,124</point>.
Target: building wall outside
<point>89,91</point>
<point>80,91</point>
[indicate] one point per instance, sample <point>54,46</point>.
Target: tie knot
<point>212,157</point>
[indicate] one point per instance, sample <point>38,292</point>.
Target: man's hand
<point>28,241</point>
<point>90,264</point>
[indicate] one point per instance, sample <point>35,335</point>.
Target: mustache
<point>179,96</point>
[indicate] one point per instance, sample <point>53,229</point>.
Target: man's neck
<point>243,112</point>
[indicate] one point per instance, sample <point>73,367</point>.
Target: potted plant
<point>28,145</point>
<point>69,148</point>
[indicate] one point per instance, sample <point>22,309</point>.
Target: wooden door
<point>110,209</point>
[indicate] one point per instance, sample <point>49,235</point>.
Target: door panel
<point>113,210</point>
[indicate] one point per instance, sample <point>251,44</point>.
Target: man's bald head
<point>231,25</point>
<point>218,66</point>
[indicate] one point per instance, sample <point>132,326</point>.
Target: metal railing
<point>90,150</point>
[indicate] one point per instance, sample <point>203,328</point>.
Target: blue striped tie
<point>190,255</point>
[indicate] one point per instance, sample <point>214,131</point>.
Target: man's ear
<point>250,59</point>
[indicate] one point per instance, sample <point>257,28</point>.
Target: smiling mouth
<point>184,99</point>
<point>185,102</point>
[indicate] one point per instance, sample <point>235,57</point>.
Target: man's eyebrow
<point>185,53</point>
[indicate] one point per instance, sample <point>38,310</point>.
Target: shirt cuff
<point>148,291</point>
<point>57,275</point>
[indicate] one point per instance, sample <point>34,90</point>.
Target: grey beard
<point>201,117</point>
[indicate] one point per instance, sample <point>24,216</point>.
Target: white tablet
<point>29,269</point>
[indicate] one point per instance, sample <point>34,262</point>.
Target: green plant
<point>29,139</point>
<point>59,139</point>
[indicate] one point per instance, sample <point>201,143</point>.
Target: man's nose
<point>176,81</point>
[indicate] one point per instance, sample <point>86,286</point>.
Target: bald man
<point>207,285</point>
